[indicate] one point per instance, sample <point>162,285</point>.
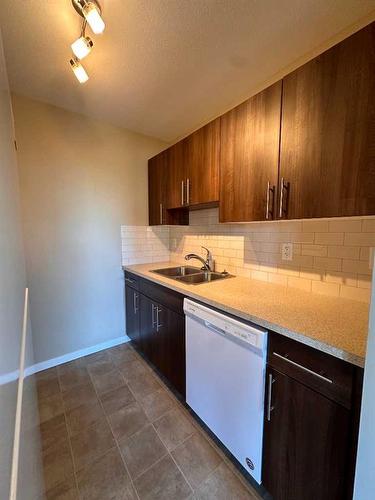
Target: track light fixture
<point>91,12</point>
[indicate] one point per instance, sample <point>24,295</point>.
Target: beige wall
<point>80,180</point>
<point>26,470</point>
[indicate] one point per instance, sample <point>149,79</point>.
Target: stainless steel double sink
<point>191,275</point>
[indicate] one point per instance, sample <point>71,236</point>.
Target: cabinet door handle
<point>153,315</point>
<point>128,280</point>
<point>182,193</point>
<point>284,358</point>
<point>283,186</point>
<point>158,325</point>
<point>187,191</point>
<point>270,190</point>
<point>161,213</point>
<point>135,305</point>
<point>270,408</point>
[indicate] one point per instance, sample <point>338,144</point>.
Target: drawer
<point>131,280</point>
<point>163,295</point>
<point>321,372</point>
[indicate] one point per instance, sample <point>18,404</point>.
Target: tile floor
<point>111,430</point>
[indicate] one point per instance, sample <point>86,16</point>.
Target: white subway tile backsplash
<point>330,256</point>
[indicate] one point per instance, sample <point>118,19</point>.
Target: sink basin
<point>174,272</point>
<point>203,277</point>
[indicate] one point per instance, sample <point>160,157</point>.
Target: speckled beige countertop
<point>332,325</point>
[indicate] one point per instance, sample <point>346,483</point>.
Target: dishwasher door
<point>225,380</point>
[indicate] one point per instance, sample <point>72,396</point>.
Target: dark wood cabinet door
<point>202,163</point>
<point>305,451</point>
<point>249,155</point>
<point>147,328</point>
<point>157,172</point>
<point>328,132</point>
<point>132,314</point>
<point>175,179</point>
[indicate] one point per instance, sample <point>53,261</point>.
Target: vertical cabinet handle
<point>187,191</point>
<point>135,303</point>
<point>161,213</point>
<point>283,187</point>
<point>182,193</point>
<point>269,212</point>
<point>270,408</point>
<point>158,325</point>
<point>153,315</point>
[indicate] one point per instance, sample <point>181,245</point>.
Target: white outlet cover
<point>287,251</point>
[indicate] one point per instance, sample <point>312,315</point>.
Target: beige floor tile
<point>105,478</point>
<point>173,428</point>
<point>116,399</point>
<point>53,431</point>
<point>143,385</point>
<point>123,358</point>
<point>47,387</point>
<point>156,404</point>
<point>91,443</point>
<point>142,450</point>
<point>196,458</point>
<point>133,370</point>
<point>57,464</point>
<point>66,490</point>
<point>163,481</point>
<point>96,357</point>
<point>100,367</point>
<point>127,420</point>
<point>106,382</point>
<point>47,374</point>
<point>71,375</point>
<point>79,395</point>
<point>222,484</point>
<point>50,407</point>
<point>83,416</point>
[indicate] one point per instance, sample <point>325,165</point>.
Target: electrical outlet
<point>287,251</point>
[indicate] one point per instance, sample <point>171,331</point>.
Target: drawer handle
<point>129,280</point>
<point>284,358</point>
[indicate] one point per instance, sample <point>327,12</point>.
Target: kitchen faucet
<point>208,263</point>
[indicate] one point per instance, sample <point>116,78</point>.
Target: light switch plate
<point>287,251</point>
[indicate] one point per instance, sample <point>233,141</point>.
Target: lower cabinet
<point>132,314</point>
<point>160,332</point>
<point>311,424</point>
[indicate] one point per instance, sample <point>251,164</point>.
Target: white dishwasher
<point>225,380</point>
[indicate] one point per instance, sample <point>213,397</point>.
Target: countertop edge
<point>294,335</point>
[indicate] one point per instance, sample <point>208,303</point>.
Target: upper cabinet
<point>249,157</point>
<point>327,157</point>
<point>202,165</point>
<point>157,190</point>
<point>176,175</point>
<point>302,148</point>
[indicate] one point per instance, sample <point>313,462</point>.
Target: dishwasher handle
<point>214,328</point>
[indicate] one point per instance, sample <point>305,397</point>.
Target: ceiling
<point>165,67</point>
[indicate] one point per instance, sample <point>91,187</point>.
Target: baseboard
<point>50,363</point>
<point>7,378</point>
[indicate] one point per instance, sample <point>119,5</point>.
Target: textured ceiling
<point>165,67</point>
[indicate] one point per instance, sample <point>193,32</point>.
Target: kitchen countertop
<point>333,325</point>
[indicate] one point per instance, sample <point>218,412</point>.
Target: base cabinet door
<point>147,328</point>
<point>305,453</point>
<point>132,314</point>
